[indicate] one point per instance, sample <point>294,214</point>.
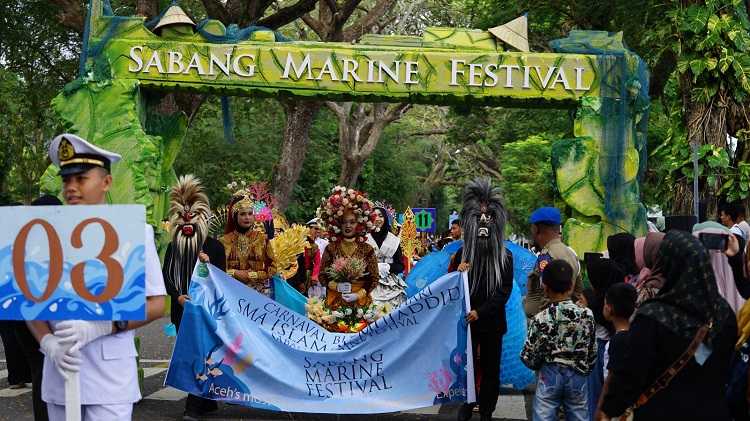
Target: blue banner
<point>73,262</point>
<point>239,346</point>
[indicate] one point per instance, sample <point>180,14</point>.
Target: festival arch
<point>596,172</point>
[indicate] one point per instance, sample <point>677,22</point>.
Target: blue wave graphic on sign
<point>67,305</point>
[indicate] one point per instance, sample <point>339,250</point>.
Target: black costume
<point>487,333</point>
<point>490,274</point>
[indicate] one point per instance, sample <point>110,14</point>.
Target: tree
<point>37,56</point>
<point>332,25</point>
<point>268,13</point>
<point>360,129</point>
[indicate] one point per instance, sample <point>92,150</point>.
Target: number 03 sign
<point>72,262</point>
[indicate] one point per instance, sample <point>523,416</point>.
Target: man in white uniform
<point>102,351</point>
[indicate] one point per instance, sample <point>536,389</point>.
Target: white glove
<point>81,332</point>
<point>350,298</point>
<point>384,269</point>
<point>59,352</point>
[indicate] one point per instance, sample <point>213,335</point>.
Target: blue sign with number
<point>425,219</point>
<point>72,262</point>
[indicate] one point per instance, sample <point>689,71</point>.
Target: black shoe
<point>485,416</point>
<point>465,412</point>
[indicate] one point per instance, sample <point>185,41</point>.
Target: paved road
<point>164,403</point>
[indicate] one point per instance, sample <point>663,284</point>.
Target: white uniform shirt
<point>109,374</point>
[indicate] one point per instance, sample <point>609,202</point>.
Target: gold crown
<point>243,204</point>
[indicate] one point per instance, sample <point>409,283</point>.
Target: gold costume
<point>250,251</point>
<point>363,286</point>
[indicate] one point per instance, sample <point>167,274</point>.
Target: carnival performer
<point>248,250</point>
<point>391,288</point>
<point>102,351</point>
<point>188,227</point>
<point>348,216</point>
<point>490,269</point>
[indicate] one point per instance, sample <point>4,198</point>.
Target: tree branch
<point>365,24</point>
<point>347,10</point>
<point>215,10</point>
<point>314,24</point>
<point>147,8</point>
<point>339,110</point>
<point>71,14</point>
<point>287,14</point>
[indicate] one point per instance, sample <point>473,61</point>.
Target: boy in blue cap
<point>545,233</point>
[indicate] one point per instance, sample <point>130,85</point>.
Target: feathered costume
<point>490,283</point>
<point>188,226</point>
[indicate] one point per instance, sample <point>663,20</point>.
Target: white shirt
<point>745,228</point>
<point>322,243</point>
<point>109,374</point>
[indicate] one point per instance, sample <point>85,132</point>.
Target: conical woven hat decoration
<point>174,16</point>
<point>514,33</point>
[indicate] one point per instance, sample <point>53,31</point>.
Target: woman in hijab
<point>662,331</point>
<point>720,262</point>
<point>391,287</point>
<point>647,260</point>
<point>621,249</point>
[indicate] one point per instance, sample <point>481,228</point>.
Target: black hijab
<point>622,250</point>
<point>379,236</point>
<point>689,297</point>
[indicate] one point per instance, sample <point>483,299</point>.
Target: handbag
<point>663,380</point>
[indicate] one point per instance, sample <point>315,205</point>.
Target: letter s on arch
<point>136,58</point>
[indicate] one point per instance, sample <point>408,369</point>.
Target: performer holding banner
<point>490,268</point>
<point>348,215</point>
<point>391,288</point>
<point>188,225</point>
<point>249,253</point>
<point>104,352</point>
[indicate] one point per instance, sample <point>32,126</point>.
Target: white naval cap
<point>75,155</point>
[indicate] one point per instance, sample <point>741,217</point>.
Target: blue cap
<point>548,215</point>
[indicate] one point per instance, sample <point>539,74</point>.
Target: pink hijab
<point>722,270</point>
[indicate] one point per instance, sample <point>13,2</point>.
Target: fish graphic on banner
<point>239,346</point>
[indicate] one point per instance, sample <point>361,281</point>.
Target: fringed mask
<point>189,212</point>
<point>483,219</point>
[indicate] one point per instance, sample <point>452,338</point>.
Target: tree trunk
<point>299,119</point>
<point>351,167</point>
<point>706,125</point>
<point>360,129</point>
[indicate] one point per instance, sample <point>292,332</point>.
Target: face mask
<point>484,226</point>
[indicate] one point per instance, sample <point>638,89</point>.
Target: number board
<point>72,262</point>
<point>426,219</point>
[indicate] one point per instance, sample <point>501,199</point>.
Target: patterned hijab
<point>689,297</point>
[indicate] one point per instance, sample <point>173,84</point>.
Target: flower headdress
<point>343,199</point>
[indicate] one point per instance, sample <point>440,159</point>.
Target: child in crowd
<point>619,305</point>
<point>561,345</point>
